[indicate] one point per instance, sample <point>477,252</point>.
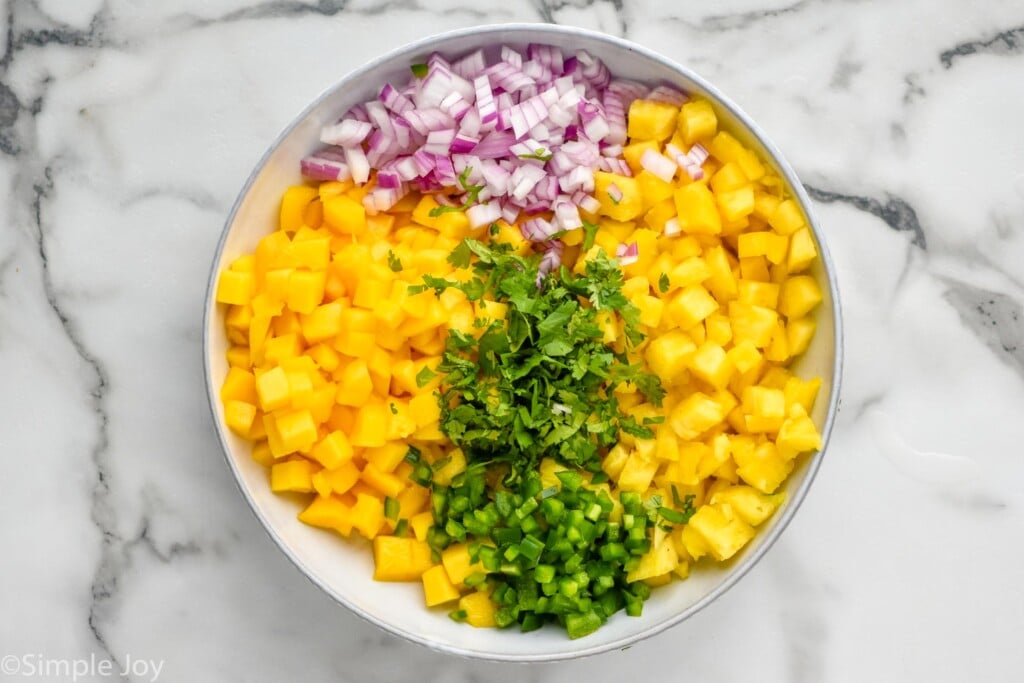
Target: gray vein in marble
<point>741,20</point>
<point>33,184</point>
<point>197,197</point>
<point>547,10</point>
<point>995,318</point>
<point>1008,42</point>
<point>102,511</point>
<point>895,212</point>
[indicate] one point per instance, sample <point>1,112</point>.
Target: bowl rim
<point>795,499</point>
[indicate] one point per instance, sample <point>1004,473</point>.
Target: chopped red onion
<point>346,133</point>
<point>668,95</point>
<point>439,141</point>
<point>627,254</point>
<point>658,164</point>
<point>480,215</point>
<point>537,230</point>
<point>355,158</point>
<point>615,193</point>
<point>325,165</point>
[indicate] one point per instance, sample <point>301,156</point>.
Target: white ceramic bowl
<point>343,568</point>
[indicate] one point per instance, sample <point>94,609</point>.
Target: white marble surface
<point>127,127</point>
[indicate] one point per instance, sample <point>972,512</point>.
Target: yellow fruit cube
<point>424,409</point>
<point>355,385</point>
<point>328,512</point>
<point>272,389</point>
<point>313,253</point>
<point>370,427</point>
<point>455,465</point>
<point>637,473</point>
<point>690,306</point>
<point>292,475</point>
<point>368,516</point>
<point>239,357</point>
<point>239,385</point>
<point>697,121</point>
<point>757,293</point>
<point>354,343</point>
<point>305,290</point>
<point>711,364</point>
<point>340,479</point>
<point>437,587</point>
<point>235,287</point>
<point>293,206</point>
<point>763,243</point>
<point>658,561</point>
<point>457,563</point>
<point>296,430</point>
<point>421,523</point>
<point>722,534</point>
<point>619,196</point>
<point>692,271</point>
<point>802,251</point>
<point>332,450</point>
<point>615,461</point>
<point>798,296</point>
<point>800,393</point>
<point>387,457</point>
<point>787,218</point>
<point>345,215</point>
<point>635,150</point>
<point>667,354</point>
<point>322,323</point>
<point>752,323</point>
<point>385,483</point>
<point>736,204</point>
<point>650,120</point>
<point>239,416</point>
<point>651,310</point>
<point>752,506</point>
<point>728,178</point>
<point>479,609</point>
<point>696,414</point>
<point>797,435</point>
<point>697,211</point>
<point>762,467</point>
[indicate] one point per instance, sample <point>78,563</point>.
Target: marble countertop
<point>127,128</point>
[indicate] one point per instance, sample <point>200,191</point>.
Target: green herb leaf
<point>394,263</point>
<point>424,377</point>
<point>663,283</point>
<point>419,70</point>
<point>540,154</point>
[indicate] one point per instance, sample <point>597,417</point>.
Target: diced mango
<point>437,588</point>
<point>399,559</point>
<point>798,296</point>
<point>650,120</point>
<point>697,211</point>
<point>292,475</point>
<point>697,121</point>
<point>619,196</point>
<point>234,287</point>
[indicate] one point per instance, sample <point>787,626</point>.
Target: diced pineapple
<point>667,355</point>
<point>711,364</point>
<point>695,415</point>
<point>638,472</point>
<point>752,323</point>
<point>751,505</point>
<point>608,186</point>
<point>690,306</point>
<point>292,475</point>
<point>437,587</point>
<point>802,251</point>
<point>479,609</point>
<point>797,435</point>
<point>650,120</point>
<point>762,467</point>
<point>400,559</point>
<point>697,121</point>
<point>696,210</point>
<point>658,561</point>
<point>721,531</point>
<point>798,296</point>
<point>458,564</point>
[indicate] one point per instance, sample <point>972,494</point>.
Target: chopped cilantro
<point>498,385</point>
<point>663,283</point>
<point>470,196</point>
<point>589,233</point>
<point>419,70</point>
<point>394,263</point>
<point>540,155</point>
<point>424,376</point>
